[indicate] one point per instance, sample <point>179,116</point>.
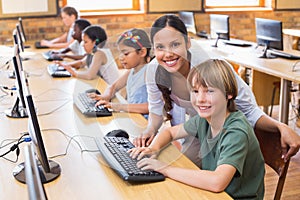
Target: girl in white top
<point>99,61</point>
<point>134,47</point>
<point>68,15</point>
<point>168,92</point>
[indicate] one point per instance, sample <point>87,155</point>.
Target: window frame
<point>136,6</point>
<point>261,3</point>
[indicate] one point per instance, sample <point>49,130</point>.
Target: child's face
<point>171,49</point>
<point>88,44</point>
<point>129,57</point>
<point>77,33</point>
<point>209,102</point>
<point>67,19</point>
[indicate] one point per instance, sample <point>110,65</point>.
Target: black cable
<point>15,147</point>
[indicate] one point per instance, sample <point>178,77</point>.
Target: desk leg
<point>284,101</point>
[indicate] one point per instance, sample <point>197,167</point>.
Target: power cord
<point>71,138</point>
<point>15,147</point>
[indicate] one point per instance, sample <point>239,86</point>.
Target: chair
<point>271,149</point>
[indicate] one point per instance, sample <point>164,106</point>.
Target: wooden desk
<point>247,57</point>
<point>84,175</point>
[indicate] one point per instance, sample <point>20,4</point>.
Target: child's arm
<point>141,108</point>
<point>215,181</point>
<point>99,59</point>
<point>111,90</point>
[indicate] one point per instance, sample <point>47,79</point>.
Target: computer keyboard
<point>114,151</point>
<point>39,46</point>
<point>57,71</point>
<point>51,56</point>
<point>239,43</point>
<point>282,54</point>
<point>86,105</point>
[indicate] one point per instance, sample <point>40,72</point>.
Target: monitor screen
<point>18,110</point>
<point>219,27</point>
<point>188,19</point>
<point>269,32</point>
<point>34,183</point>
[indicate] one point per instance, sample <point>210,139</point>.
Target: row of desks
<point>84,175</point>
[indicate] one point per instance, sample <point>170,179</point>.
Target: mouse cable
<point>28,74</point>
<point>71,138</point>
<point>55,109</point>
<point>16,147</point>
<point>6,64</point>
<point>52,89</point>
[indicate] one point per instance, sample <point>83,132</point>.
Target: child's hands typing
<point>141,152</point>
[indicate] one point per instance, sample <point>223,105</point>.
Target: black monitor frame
<point>22,29</point>
<point>219,27</point>
<point>269,35</point>
<point>49,170</point>
<point>18,111</point>
<point>20,40</point>
<point>34,183</point>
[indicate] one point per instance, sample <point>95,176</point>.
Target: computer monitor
<point>219,27</point>
<point>20,40</point>
<point>48,169</point>
<point>22,29</point>
<point>18,110</point>
<point>187,17</point>
<point>34,183</point>
<point>268,34</point>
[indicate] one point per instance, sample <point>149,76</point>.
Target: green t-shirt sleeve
<point>233,149</point>
<point>191,126</point>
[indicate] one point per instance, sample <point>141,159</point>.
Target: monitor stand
<point>16,111</point>
<point>46,177</point>
<point>265,53</point>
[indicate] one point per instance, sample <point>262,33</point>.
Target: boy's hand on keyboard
<point>105,103</point>
<point>141,152</point>
<point>152,164</point>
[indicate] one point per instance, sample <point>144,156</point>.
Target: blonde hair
<point>216,73</point>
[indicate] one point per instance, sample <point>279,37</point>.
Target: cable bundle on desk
<point>14,147</point>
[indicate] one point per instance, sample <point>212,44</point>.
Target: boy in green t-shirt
<point>230,153</point>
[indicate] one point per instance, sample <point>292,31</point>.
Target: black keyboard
<point>282,54</point>
<point>86,105</point>
<point>57,71</point>
<point>239,43</point>
<point>51,56</point>
<point>114,151</point>
<point>39,46</point>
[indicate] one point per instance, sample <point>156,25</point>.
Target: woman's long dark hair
<point>162,76</point>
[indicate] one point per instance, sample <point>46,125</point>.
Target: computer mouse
<point>118,133</point>
<point>93,91</point>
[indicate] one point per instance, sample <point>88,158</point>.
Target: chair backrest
<point>270,146</point>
